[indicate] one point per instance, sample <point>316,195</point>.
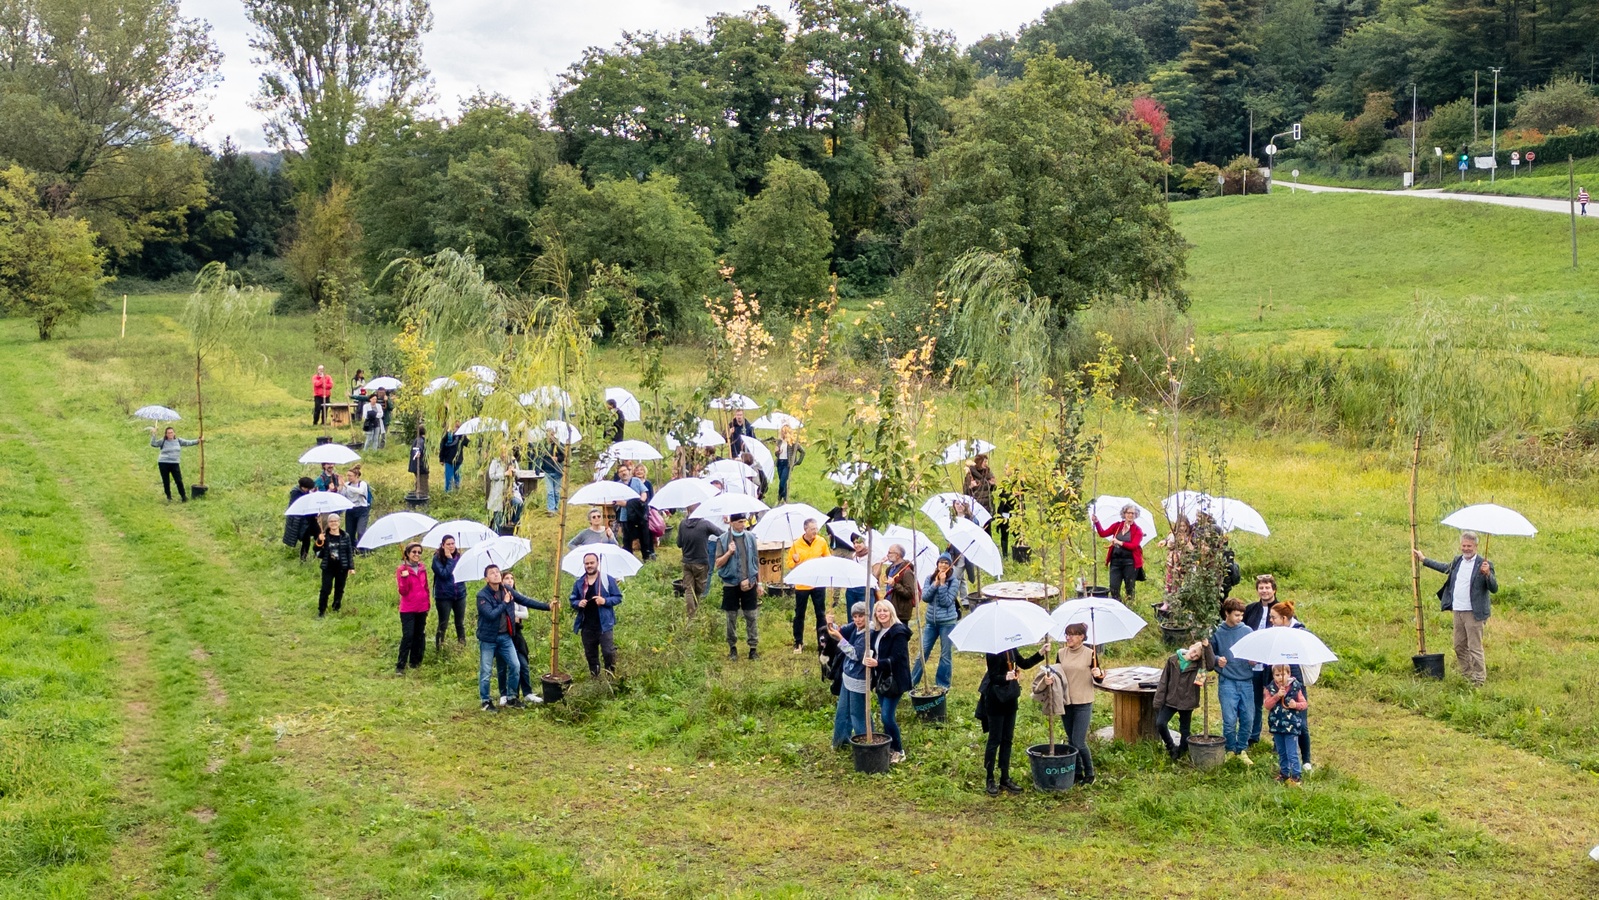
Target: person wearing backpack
<point>372,423</point>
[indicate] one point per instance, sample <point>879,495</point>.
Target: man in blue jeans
<point>496,618</point>
<point>552,462</point>
<point>1237,684</point>
<point>452,447</point>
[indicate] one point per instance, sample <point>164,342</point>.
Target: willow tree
<point>221,315</point>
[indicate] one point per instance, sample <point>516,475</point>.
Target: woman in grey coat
<point>171,447</point>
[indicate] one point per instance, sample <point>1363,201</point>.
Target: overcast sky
<point>517,49</point>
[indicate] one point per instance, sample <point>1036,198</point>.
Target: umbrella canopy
<point>940,508</point>
<point>920,548</point>
<point>563,432</point>
<point>682,492</point>
<point>438,384</point>
<point>848,473</point>
<point>1491,518</point>
<point>626,403</point>
<point>964,450</point>
<point>614,561</point>
<point>1230,514</point>
<point>632,450</point>
<point>1000,625</point>
<point>602,493</point>
<point>844,529</point>
<point>786,523</point>
<point>762,456</point>
<point>395,528</point>
<point>482,373</point>
<point>317,503</point>
<point>829,572</point>
<point>774,421</point>
<point>480,424</point>
<point>729,504</point>
<point>731,467</point>
<point>547,396</point>
<point>705,435</point>
<point>1108,509</point>
<point>1283,646</point>
<point>156,414</point>
<point>338,454</point>
<point>504,552</point>
<point>734,401</point>
<point>1107,619</point>
<point>975,544</point>
<point>384,382</point>
<point>466,532</point>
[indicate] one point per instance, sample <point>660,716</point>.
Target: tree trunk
<point>199,408</point>
<point>1415,564</point>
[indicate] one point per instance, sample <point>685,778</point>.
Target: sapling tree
<point>221,316</point>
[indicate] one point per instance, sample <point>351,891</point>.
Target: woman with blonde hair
<point>891,670</point>
<point>787,450</point>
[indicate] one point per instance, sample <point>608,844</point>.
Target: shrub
<point>1563,101</point>
<point>1365,133</point>
<point>1449,126</point>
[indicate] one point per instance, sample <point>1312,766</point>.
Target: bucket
<point>1173,637</point>
<point>416,501</point>
<point>870,758</point>
<point>324,439</point>
<point>1054,766</point>
<point>198,490</point>
<point>930,707</point>
<point>1207,751</point>
<point>554,686</point>
<point>1429,665</point>
<point>1093,590</point>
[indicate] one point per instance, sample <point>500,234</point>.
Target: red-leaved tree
<point>1150,112</point>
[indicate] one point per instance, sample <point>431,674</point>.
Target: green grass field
<point>176,722</point>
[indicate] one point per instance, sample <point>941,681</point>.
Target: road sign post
<point>1515,163</point>
<point>1530,157</point>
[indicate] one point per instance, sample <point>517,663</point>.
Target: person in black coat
<point>997,699</point>
<point>449,595</point>
<point>336,549</point>
<point>891,671</point>
<point>300,529</point>
<point>618,424</point>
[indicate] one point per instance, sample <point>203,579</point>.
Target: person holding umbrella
<point>524,682</point>
<point>733,557</point>
<point>1124,558</point>
<point>896,580</point>
<point>171,447</point>
<point>1469,581</point>
<point>787,456</point>
<point>448,594</point>
<point>412,582</point>
<point>737,431</point>
<point>300,530</point>
<point>811,545</point>
<point>942,593</point>
<point>359,493</point>
<point>1079,668</point>
<point>997,699</point>
<point>980,482</point>
<point>694,538</point>
<point>618,423</point>
<point>496,616</point>
<point>594,600</point>
<point>336,548</point>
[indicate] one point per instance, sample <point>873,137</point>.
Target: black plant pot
<point>871,757</point>
<point>323,439</point>
<point>1054,766</point>
<point>1173,637</point>
<point>931,706</point>
<point>677,587</point>
<point>414,501</point>
<point>1207,751</point>
<point>554,686</point>
<point>1429,665</point>
<point>197,490</point>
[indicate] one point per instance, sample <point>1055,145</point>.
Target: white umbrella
<point>466,532</point>
<point>156,414</point>
<point>1000,625</point>
<point>729,504</point>
<point>1491,518</point>
<point>1594,854</point>
<point>731,467</point>
<point>480,424</point>
<point>705,435</point>
<point>848,473</point>
<point>394,528</point>
<point>786,523</point>
<point>762,456</point>
<point>829,572</point>
<point>682,492</point>
<point>844,529</point>
<point>1283,646</point>
<point>774,421</point>
<point>632,450</point>
<point>563,432</point>
<point>920,548</point>
<point>975,544</point>
<point>602,493</point>
<point>940,508</point>
<point>626,403</point>
<point>963,450</point>
<point>1107,619</point>
<point>438,384</point>
<point>546,396</point>
<point>1108,510</point>
<point>504,552</point>
<point>338,454</point>
<point>1230,514</point>
<point>384,382</point>
<point>317,503</point>
<point>614,561</point>
<point>734,401</point>
<point>482,373</point>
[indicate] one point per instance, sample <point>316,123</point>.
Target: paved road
<point>1537,203</point>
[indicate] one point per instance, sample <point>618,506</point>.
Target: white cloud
<point>519,49</point>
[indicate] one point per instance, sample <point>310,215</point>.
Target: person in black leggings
<point>336,549</point>
<point>996,708</point>
<point>1124,555</point>
<point>170,446</point>
<point>448,594</point>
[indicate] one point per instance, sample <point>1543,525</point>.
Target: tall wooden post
<point>1415,564</point>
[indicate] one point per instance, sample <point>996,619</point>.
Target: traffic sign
<point>1515,157</point>
<point>1271,149</point>
<point>1462,165</point>
<point>1296,173</point>
<point>1531,156</point>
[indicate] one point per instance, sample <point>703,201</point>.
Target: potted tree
<point>220,315</point>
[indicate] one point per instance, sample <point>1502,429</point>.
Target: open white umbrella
<point>705,435</point>
<point>384,382</point>
<point>920,548</point>
<point>395,528</point>
<point>1283,646</point>
<point>632,450</point>
<point>774,421</point>
<point>975,544</point>
<point>762,456</point>
<point>682,492</point>
<point>729,504</point>
<point>563,432</point>
<point>786,523</point>
<point>156,414</point>
<point>602,493</point>
<point>1230,514</point>
<point>844,529</point>
<point>829,572</point>
<point>1491,518</point>
<point>480,424</point>
<point>337,454</point>
<point>1107,619</point>
<point>848,473</point>
<point>438,384</point>
<point>546,397</point>
<point>482,373</point>
<point>614,561</point>
<point>940,508</point>
<point>466,532</point>
<point>318,503</point>
<point>1594,854</point>
<point>1108,510</point>
<point>1000,625</point>
<point>505,552</point>
<point>734,401</point>
<point>964,450</point>
<point>626,403</point>
<point>729,467</point>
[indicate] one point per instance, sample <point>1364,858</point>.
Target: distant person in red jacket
<point>1125,555</point>
<point>321,390</point>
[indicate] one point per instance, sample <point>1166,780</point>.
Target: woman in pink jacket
<point>412,580</point>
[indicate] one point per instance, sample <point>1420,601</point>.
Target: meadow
<point>175,721</point>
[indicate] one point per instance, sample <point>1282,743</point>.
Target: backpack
<point>657,523</point>
<point>369,422</point>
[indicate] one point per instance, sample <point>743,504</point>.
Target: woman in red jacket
<point>412,580</point>
<point>321,391</point>
<point>1125,555</point>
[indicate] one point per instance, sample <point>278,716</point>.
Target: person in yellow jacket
<point>811,545</point>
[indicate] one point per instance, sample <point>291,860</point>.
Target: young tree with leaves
<point>49,267</point>
<point>221,316</point>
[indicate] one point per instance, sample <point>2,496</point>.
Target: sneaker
<point>399,673</point>
<point>513,702</point>
<point>1231,755</point>
<point>1293,782</point>
<point>896,757</point>
<point>1244,758</point>
<point>534,699</point>
<point>732,653</point>
<point>798,649</point>
<point>488,706</point>
<point>753,654</point>
<point>503,700</point>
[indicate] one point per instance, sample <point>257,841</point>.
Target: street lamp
<point>1493,167</point>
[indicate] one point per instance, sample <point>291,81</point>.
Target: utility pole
<point>1412,134</point>
<point>1493,153</point>
<point>1251,151</point>
<point>1571,191</point>
<point>1474,120</point>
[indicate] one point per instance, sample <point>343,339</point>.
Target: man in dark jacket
<point>693,538</point>
<point>1469,581</point>
<point>300,530</point>
<point>452,448</point>
<point>496,615</point>
<point>594,600</point>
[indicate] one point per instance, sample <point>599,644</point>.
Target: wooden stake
<point>199,408</point>
<point>124,315</point>
<point>1415,564</point>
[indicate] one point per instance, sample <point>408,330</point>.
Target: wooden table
<point>1133,706</point>
<point>338,414</point>
<point>1020,590</point>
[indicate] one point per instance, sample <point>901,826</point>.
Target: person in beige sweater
<point>1077,665</point>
